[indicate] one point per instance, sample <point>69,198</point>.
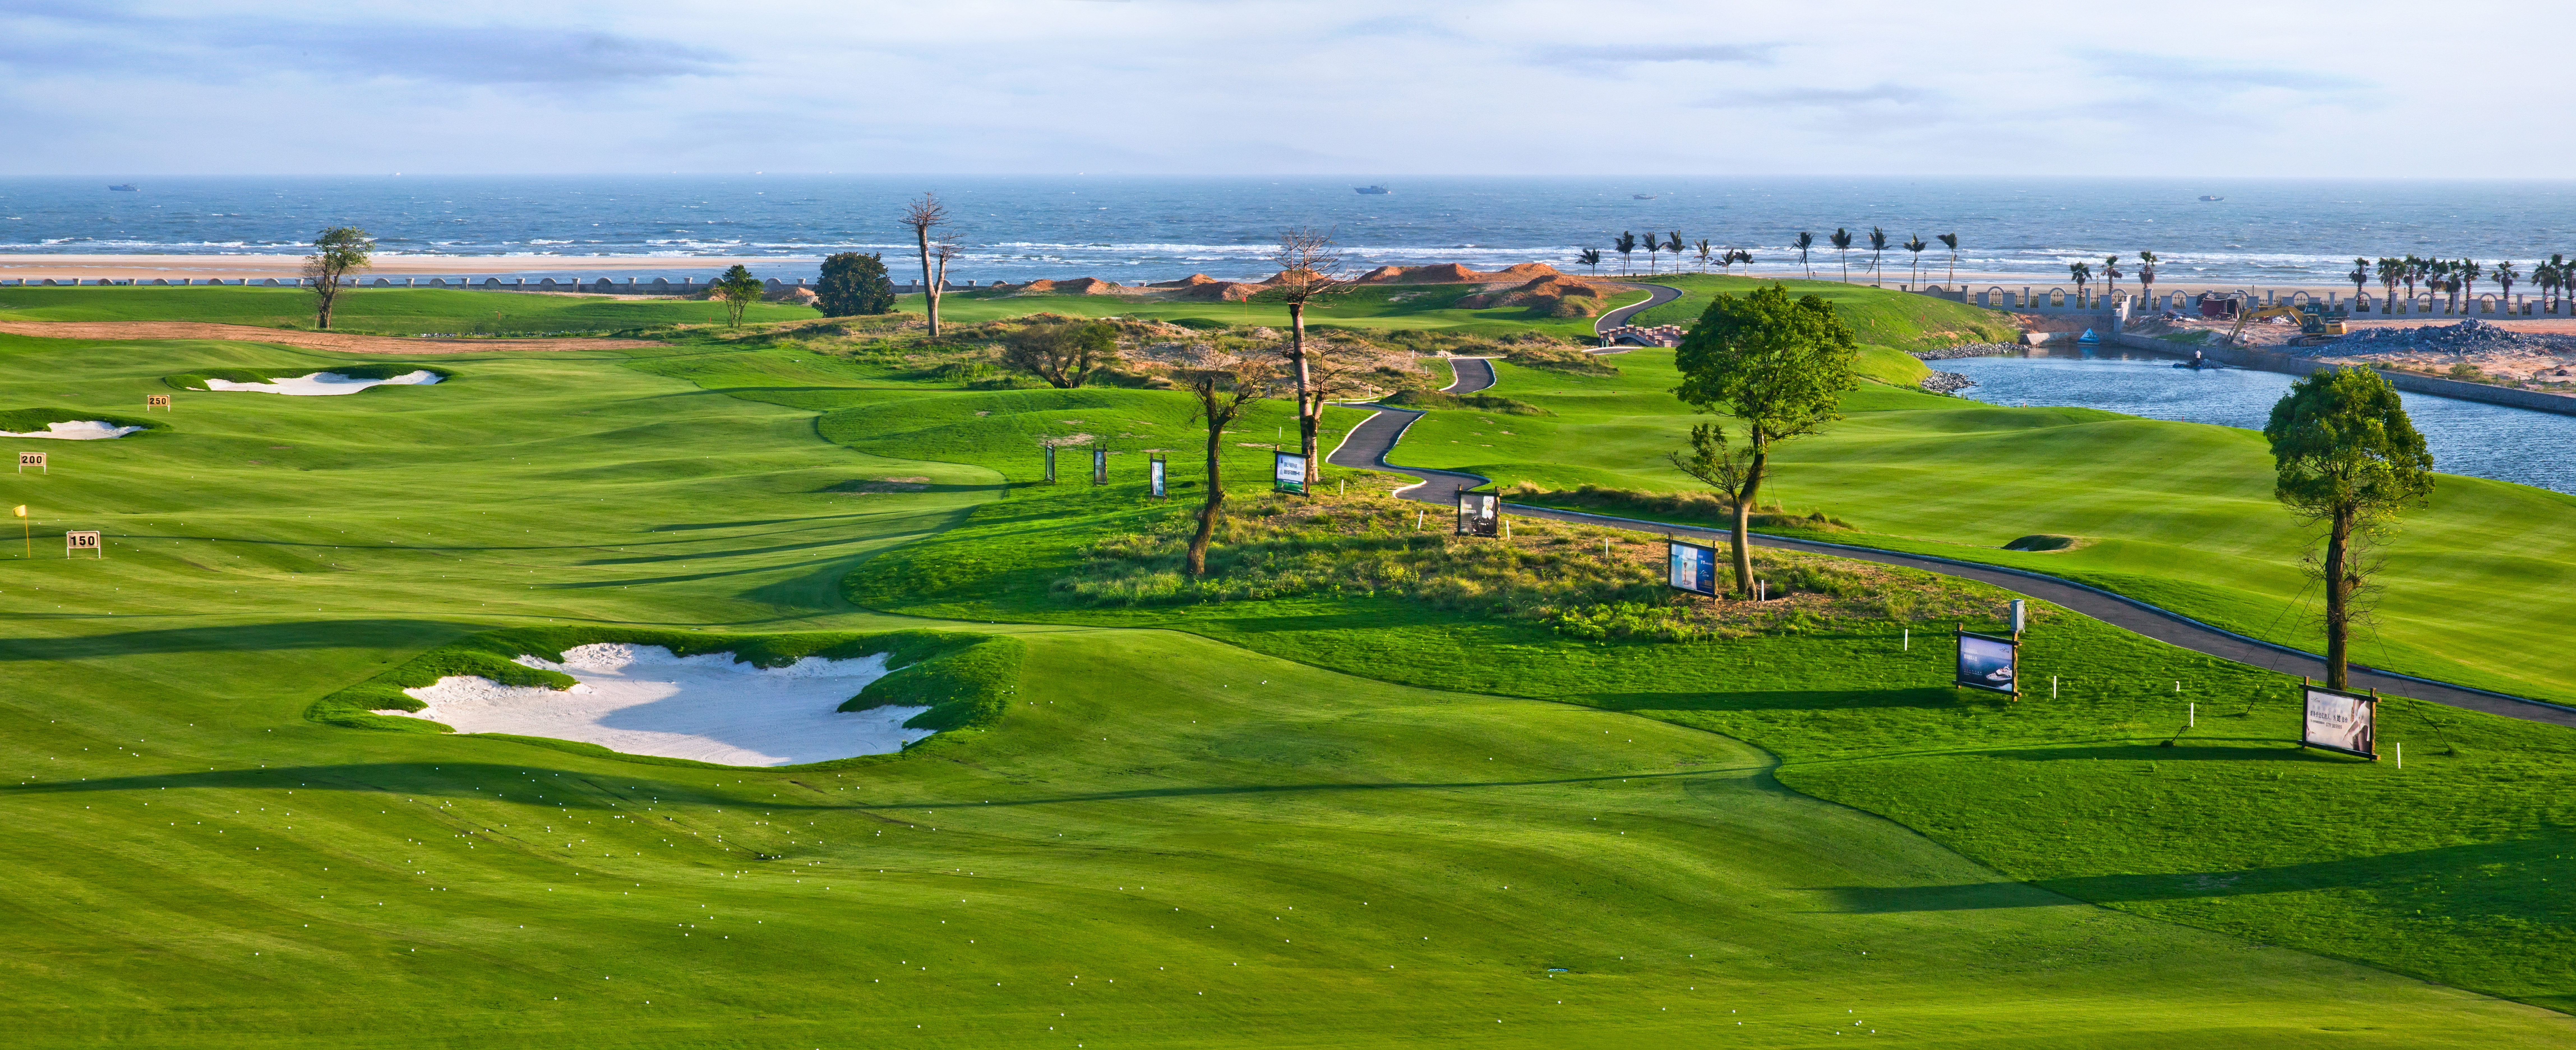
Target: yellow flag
<point>21,511</point>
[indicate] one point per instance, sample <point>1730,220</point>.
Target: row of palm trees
<point>2456,279</point>
<point>2083,274</point>
<point>1627,243</point>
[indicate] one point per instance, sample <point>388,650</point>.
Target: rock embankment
<point>1944,353</point>
<point>2470,336</point>
<point>1947,382</point>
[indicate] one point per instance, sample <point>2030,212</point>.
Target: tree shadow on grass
<point>292,634</point>
<point>2489,879</point>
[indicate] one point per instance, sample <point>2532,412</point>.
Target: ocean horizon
<point>2261,231</point>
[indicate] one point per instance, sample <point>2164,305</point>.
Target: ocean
<point>1159,228</point>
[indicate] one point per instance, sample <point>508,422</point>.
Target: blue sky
<point>1178,87</point>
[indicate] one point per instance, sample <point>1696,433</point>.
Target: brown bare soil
<point>345,342</point>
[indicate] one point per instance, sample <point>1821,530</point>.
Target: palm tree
<point>1916,245</point>
<point>2410,270</point>
<point>2147,274</point>
<point>2504,278</point>
<point>1673,241</point>
<point>1591,260</point>
<point>1877,247</point>
<point>1739,255</point>
<point>2360,277</point>
<point>1652,246</point>
<point>2110,274</point>
<point>2390,270</point>
<point>1842,244</point>
<point>1805,241</point>
<point>1951,241</point>
<point>2082,272</point>
<point>2544,275</point>
<point>1626,243</point>
<point>2469,272</point>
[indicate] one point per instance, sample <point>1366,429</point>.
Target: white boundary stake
<point>82,541</point>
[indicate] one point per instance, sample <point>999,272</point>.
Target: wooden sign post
<point>32,459</point>
<point>153,401</point>
<point>82,541</point>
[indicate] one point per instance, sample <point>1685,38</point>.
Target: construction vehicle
<point>2314,326</point>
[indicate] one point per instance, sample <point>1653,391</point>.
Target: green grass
<point>380,311</point>
<point>1347,820</point>
<point>1884,316</point>
<point>2182,513</point>
<point>34,420</point>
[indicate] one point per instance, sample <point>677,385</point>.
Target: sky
<point>1177,87</point>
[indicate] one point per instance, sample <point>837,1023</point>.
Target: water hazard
<point>2467,437</point>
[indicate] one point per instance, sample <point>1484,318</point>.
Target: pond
<point>2466,437</point>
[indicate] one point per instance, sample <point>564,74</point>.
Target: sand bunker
<point>78,430</point>
<point>642,700</point>
<point>323,384</point>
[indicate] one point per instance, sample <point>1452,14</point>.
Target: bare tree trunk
<point>1215,498</point>
<point>929,283</point>
<point>1308,411</point>
<point>2338,598</point>
<point>1744,524</point>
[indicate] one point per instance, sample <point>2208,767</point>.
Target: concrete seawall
<point>2291,364</point>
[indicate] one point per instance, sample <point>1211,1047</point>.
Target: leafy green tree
<point>1063,353</point>
<point>1951,241</point>
<point>336,251</point>
<point>1624,245</point>
<point>1877,247</point>
<point>1591,260</point>
<point>1842,240</point>
<point>854,284</point>
<point>739,289</point>
<point>2346,457</point>
<point>1780,368</point>
<point>1916,245</point>
<point>1805,241</point>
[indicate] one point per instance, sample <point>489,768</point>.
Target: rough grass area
<point>1422,398</point>
<point>1698,508</point>
<point>26,420</point>
<point>1579,580</point>
<point>196,381</point>
<point>962,678</point>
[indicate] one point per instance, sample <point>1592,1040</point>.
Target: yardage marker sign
<point>153,401</point>
<point>82,541</point>
<point>32,459</point>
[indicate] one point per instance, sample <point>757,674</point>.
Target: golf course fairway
<point>1326,820</point>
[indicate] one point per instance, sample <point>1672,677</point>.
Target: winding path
<point>1658,295</point>
<point>1367,446</point>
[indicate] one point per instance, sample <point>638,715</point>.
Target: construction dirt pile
<point>2473,350</point>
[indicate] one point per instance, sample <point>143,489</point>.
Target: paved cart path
<point>1373,440</point>
<point>1661,294</point>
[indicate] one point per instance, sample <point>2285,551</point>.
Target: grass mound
<point>1883,316</point>
<point>1420,398</point>
<point>196,381</point>
<point>33,420</point>
<point>1701,508</point>
<point>962,678</point>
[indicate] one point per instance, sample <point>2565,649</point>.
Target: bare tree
<point>1309,272</point>
<point>337,251</point>
<point>929,222</point>
<point>1222,391</point>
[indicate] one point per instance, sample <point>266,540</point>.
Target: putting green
<point>1174,842</point>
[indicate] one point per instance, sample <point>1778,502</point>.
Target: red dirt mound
<point>1191,281</point>
<point>1382,275</point>
<point>1444,273</point>
<point>1075,286</point>
<point>1545,292</point>
<point>1041,286</point>
<point>1221,292</point>
<point>1525,272</point>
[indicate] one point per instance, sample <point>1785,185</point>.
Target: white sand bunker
<point>78,430</point>
<point>324,384</point>
<point>642,700</point>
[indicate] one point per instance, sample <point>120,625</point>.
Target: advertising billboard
<point>1099,464</point>
<point>2342,722</point>
<point>1154,475</point>
<point>1480,514</point>
<point>1288,472</point>
<point>1694,568</point>
<point>1989,663</point>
